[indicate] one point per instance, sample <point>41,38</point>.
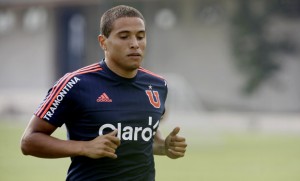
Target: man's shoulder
<point>77,75</point>
<point>84,72</point>
<point>150,74</point>
<point>88,69</point>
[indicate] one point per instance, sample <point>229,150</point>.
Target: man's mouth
<point>134,55</point>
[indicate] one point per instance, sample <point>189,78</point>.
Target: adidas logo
<point>104,98</point>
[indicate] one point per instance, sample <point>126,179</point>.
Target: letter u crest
<point>155,102</point>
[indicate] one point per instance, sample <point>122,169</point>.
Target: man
<point>111,110</point>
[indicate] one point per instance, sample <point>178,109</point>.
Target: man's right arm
<point>37,141</point>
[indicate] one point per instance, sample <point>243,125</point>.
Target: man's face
<point>126,44</point>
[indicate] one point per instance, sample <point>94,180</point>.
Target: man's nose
<point>134,43</point>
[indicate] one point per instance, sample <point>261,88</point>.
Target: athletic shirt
<point>93,101</point>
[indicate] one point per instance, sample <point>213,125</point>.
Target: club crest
<point>153,98</point>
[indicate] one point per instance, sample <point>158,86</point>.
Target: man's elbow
<point>25,145</point>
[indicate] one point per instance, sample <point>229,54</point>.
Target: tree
<point>254,52</point>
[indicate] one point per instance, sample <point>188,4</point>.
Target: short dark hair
<point>111,15</point>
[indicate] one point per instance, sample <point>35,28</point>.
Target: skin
<point>37,141</point>
<point>124,51</point>
<point>124,48</point>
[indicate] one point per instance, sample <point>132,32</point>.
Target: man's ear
<point>101,40</point>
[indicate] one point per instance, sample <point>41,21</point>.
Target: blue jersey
<point>93,101</point>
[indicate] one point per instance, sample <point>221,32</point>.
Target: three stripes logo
<point>104,98</point>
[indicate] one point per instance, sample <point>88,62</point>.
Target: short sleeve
<point>57,107</point>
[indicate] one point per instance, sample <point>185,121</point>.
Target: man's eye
<point>123,37</point>
<point>140,36</point>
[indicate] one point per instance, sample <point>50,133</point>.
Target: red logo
<point>155,102</point>
<point>104,98</point>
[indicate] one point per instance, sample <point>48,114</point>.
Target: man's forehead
<point>129,24</point>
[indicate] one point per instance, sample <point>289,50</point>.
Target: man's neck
<point>119,71</point>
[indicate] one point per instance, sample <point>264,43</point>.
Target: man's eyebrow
<point>126,31</point>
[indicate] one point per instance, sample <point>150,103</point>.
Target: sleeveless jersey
<point>93,101</point>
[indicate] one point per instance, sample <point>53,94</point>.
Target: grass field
<point>234,157</point>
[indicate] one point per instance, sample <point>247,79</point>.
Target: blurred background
<point>233,71</point>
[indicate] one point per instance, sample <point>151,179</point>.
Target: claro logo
<point>131,133</point>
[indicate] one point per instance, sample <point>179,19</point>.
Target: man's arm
<point>173,146</point>
<point>37,141</point>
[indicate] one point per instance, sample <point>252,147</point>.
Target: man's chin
<point>136,63</point>
<point>134,67</point>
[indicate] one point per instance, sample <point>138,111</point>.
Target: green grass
<point>233,157</point>
<point>243,157</point>
<point>14,166</point>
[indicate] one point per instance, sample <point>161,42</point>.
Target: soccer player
<point>111,109</point>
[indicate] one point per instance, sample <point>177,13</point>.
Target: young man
<point>111,110</point>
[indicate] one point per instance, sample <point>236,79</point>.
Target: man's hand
<point>175,146</point>
<point>102,146</point>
